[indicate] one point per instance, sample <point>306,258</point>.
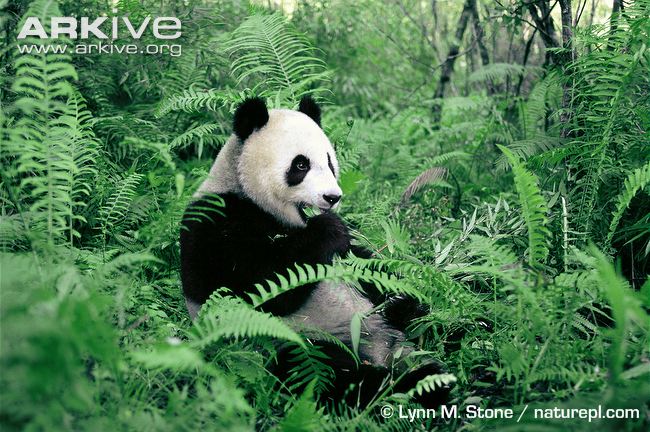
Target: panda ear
<point>250,115</point>
<point>310,107</point>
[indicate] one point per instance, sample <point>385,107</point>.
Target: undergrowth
<point>507,231</point>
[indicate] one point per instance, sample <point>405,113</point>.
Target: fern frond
<point>115,211</point>
<point>193,101</point>
<point>307,274</point>
<point>609,83</point>
<point>270,48</point>
<point>627,312</point>
<point>44,146</point>
<point>499,256</point>
<point>534,209</point>
<point>496,72</point>
<point>567,374</point>
<point>84,148</point>
<point>304,415</point>
<point>173,356</point>
<point>432,382</point>
<point>202,133</point>
<point>229,317</point>
<point>533,112</point>
<point>310,366</point>
<point>426,280</point>
<point>525,149</point>
<point>635,181</point>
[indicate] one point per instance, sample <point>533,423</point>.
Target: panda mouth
<point>307,211</point>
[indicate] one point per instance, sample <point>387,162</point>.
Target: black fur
<point>329,164</point>
<point>252,114</point>
<point>239,245</point>
<point>298,170</point>
<point>310,107</point>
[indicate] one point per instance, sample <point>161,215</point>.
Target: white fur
<point>331,307</point>
<point>193,307</point>
<point>258,167</point>
<point>223,174</point>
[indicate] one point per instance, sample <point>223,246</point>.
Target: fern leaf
<point>228,317</point>
<point>193,101</point>
<point>268,47</point>
<point>306,274</point>
<point>496,73</point>
<point>432,382</point>
<point>45,148</point>
<point>534,209</point>
<point>115,211</point>
<point>201,133</point>
<point>635,181</point>
<point>310,367</point>
<point>304,415</point>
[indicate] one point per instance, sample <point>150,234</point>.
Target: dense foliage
<point>513,201</point>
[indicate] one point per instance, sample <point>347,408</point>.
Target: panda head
<point>286,163</point>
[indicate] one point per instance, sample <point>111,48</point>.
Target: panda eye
<point>300,163</point>
<point>298,170</point>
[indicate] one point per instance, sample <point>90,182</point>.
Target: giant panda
<point>275,165</point>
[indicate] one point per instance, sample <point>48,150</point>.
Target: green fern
<point>534,209</point>
<point>627,313</point>
<point>173,355</point>
<point>304,415</point>
<point>637,180</point>
<point>115,210</point>
<point>202,133</point>
<point>268,47</point>
<point>608,84</point>
<point>44,147</point>
<point>427,282</point>
<point>228,317</point>
<point>193,101</point>
<point>496,73</point>
<point>309,366</point>
<point>306,274</point>
<point>432,382</point>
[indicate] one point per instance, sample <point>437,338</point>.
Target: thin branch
<point>579,15</point>
<point>422,27</point>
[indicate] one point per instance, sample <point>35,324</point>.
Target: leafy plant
<point>518,272</point>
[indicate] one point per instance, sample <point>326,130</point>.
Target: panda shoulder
<point>218,209</point>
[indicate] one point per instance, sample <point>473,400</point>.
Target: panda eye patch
<point>329,164</point>
<point>300,166</point>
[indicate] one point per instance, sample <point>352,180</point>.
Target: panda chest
<point>331,307</point>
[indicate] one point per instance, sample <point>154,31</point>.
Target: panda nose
<point>332,199</point>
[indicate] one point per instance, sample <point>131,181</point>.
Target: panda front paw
<point>329,235</point>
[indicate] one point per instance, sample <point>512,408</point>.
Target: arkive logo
<point>99,35</point>
<point>161,27</point>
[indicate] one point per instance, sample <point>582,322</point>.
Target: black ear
<point>310,107</point>
<point>250,115</point>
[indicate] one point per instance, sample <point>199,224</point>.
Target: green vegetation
<point>495,155</point>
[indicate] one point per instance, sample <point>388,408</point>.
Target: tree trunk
<point>617,11</point>
<point>448,65</point>
<point>478,34</point>
<point>540,11</point>
<point>529,44</point>
<point>482,49</point>
<point>567,57</point>
<point>567,29</point>
<point>592,13</point>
